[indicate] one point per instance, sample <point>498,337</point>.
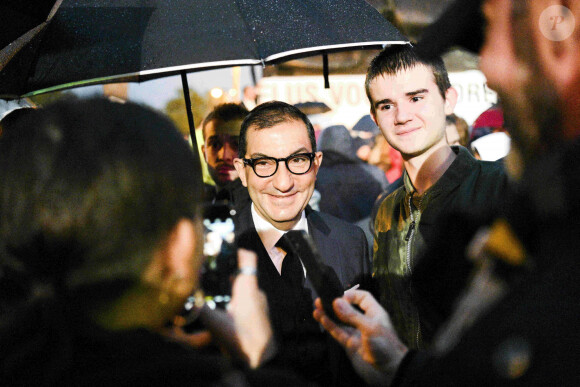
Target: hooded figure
<point>347,185</point>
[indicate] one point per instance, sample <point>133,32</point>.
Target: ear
<point>203,152</point>
<point>450,100</point>
<point>240,167</point>
<point>317,161</point>
<point>373,116</point>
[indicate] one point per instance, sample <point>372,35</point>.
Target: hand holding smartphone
<point>323,277</point>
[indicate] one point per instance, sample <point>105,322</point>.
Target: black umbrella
<point>98,41</point>
<point>22,24</point>
<point>17,17</point>
<point>101,41</point>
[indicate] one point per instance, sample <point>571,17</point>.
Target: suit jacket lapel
<point>327,246</point>
<point>248,238</point>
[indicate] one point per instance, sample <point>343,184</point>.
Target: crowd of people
<point>457,264</point>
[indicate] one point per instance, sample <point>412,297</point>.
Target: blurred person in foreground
<point>99,248</point>
<point>278,162</point>
<point>517,323</point>
<point>410,96</point>
<point>221,135</point>
<point>456,131</point>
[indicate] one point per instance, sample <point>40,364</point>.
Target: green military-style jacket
<point>406,221</point>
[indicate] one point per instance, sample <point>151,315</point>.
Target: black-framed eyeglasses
<point>298,164</point>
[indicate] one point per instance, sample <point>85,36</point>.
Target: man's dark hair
<point>91,189</point>
<point>270,114</point>
<point>396,58</point>
<point>225,112</point>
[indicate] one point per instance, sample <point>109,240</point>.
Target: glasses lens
<point>265,167</point>
<point>299,163</point>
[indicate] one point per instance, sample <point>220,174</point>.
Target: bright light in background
<point>216,93</point>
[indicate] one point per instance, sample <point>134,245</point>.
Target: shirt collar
<point>270,234</point>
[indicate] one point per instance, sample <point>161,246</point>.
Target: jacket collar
<point>453,176</point>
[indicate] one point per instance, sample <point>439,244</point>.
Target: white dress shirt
<point>270,236</point>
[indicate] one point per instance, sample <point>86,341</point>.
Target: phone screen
<point>219,254</point>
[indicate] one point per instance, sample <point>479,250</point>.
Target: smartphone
<point>323,277</point>
<point>220,260</point>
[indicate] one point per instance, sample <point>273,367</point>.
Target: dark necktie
<point>292,272</point>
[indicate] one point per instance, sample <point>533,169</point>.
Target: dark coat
<point>49,348</point>
<point>233,193</point>
<point>348,186</point>
<point>467,195</point>
<point>304,347</point>
<point>529,336</point>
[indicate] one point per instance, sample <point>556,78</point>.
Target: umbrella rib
<point>250,33</point>
<point>332,47</point>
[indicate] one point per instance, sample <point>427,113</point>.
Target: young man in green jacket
<point>410,97</point>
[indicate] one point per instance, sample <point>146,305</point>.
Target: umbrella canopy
<point>17,17</point>
<point>100,41</point>
<point>22,26</point>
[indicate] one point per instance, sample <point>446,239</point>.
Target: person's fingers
<point>365,301</point>
<point>197,340</point>
<point>249,309</point>
<point>343,310</point>
<point>318,303</point>
<point>355,287</point>
<point>246,281</point>
<point>347,337</point>
<point>347,313</point>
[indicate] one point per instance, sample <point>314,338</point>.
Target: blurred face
<point>281,198</point>
<point>511,68</point>
<point>192,268</point>
<point>452,135</point>
<point>410,111</point>
<point>220,148</point>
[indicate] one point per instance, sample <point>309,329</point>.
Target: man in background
<point>457,131</point>
<point>221,131</point>
<point>518,321</point>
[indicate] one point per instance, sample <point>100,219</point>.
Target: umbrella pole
<point>195,150</point>
<point>254,80</point>
<point>325,71</point>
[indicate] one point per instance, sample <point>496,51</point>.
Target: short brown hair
<point>396,58</point>
<point>270,114</point>
<point>225,112</point>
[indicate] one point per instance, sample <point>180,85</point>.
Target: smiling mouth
<point>282,197</point>
<point>406,131</point>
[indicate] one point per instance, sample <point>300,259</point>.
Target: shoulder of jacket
<point>387,206</point>
<point>334,224</point>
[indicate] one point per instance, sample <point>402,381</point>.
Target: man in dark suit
<point>221,129</point>
<point>278,164</point>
